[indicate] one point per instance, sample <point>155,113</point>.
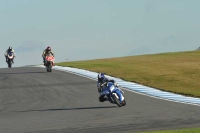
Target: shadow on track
<point>102,107</point>
<point>24,72</point>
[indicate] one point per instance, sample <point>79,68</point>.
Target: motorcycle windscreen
<point>10,54</point>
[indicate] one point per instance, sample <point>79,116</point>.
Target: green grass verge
<point>193,130</point>
<point>177,72</point>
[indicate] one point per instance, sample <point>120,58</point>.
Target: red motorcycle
<point>49,62</point>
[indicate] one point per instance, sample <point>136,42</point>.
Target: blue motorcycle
<point>113,94</point>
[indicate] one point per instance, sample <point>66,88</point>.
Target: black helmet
<point>10,48</point>
<point>48,48</point>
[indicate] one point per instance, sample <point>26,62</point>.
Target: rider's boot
<point>102,99</point>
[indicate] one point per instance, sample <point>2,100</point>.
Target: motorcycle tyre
<point>124,102</point>
<point>116,101</point>
<point>9,63</point>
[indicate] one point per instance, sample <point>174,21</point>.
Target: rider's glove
<point>112,81</point>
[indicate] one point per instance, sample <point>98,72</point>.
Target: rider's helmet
<point>48,48</point>
<point>10,48</point>
<point>101,77</point>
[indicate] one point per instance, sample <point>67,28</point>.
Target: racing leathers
<point>7,52</point>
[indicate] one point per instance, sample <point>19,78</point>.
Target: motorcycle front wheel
<point>124,102</point>
<point>49,67</point>
<point>116,101</point>
<point>9,63</point>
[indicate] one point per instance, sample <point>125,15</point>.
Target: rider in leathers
<point>101,89</point>
<point>10,49</point>
<point>46,52</point>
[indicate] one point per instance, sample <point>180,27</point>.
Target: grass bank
<point>177,72</point>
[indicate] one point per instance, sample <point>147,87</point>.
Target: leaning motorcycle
<point>10,57</point>
<point>49,62</point>
<point>113,94</point>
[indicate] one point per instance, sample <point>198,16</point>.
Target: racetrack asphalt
<point>34,101</point>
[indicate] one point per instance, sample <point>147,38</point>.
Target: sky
<point>93,29</point>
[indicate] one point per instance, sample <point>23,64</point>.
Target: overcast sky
<point>91,29</point>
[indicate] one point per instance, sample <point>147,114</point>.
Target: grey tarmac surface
<point>34,101</point>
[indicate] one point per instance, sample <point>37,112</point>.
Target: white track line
<point>133,87</point>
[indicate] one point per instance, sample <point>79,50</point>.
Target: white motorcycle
<point>10,57</point>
